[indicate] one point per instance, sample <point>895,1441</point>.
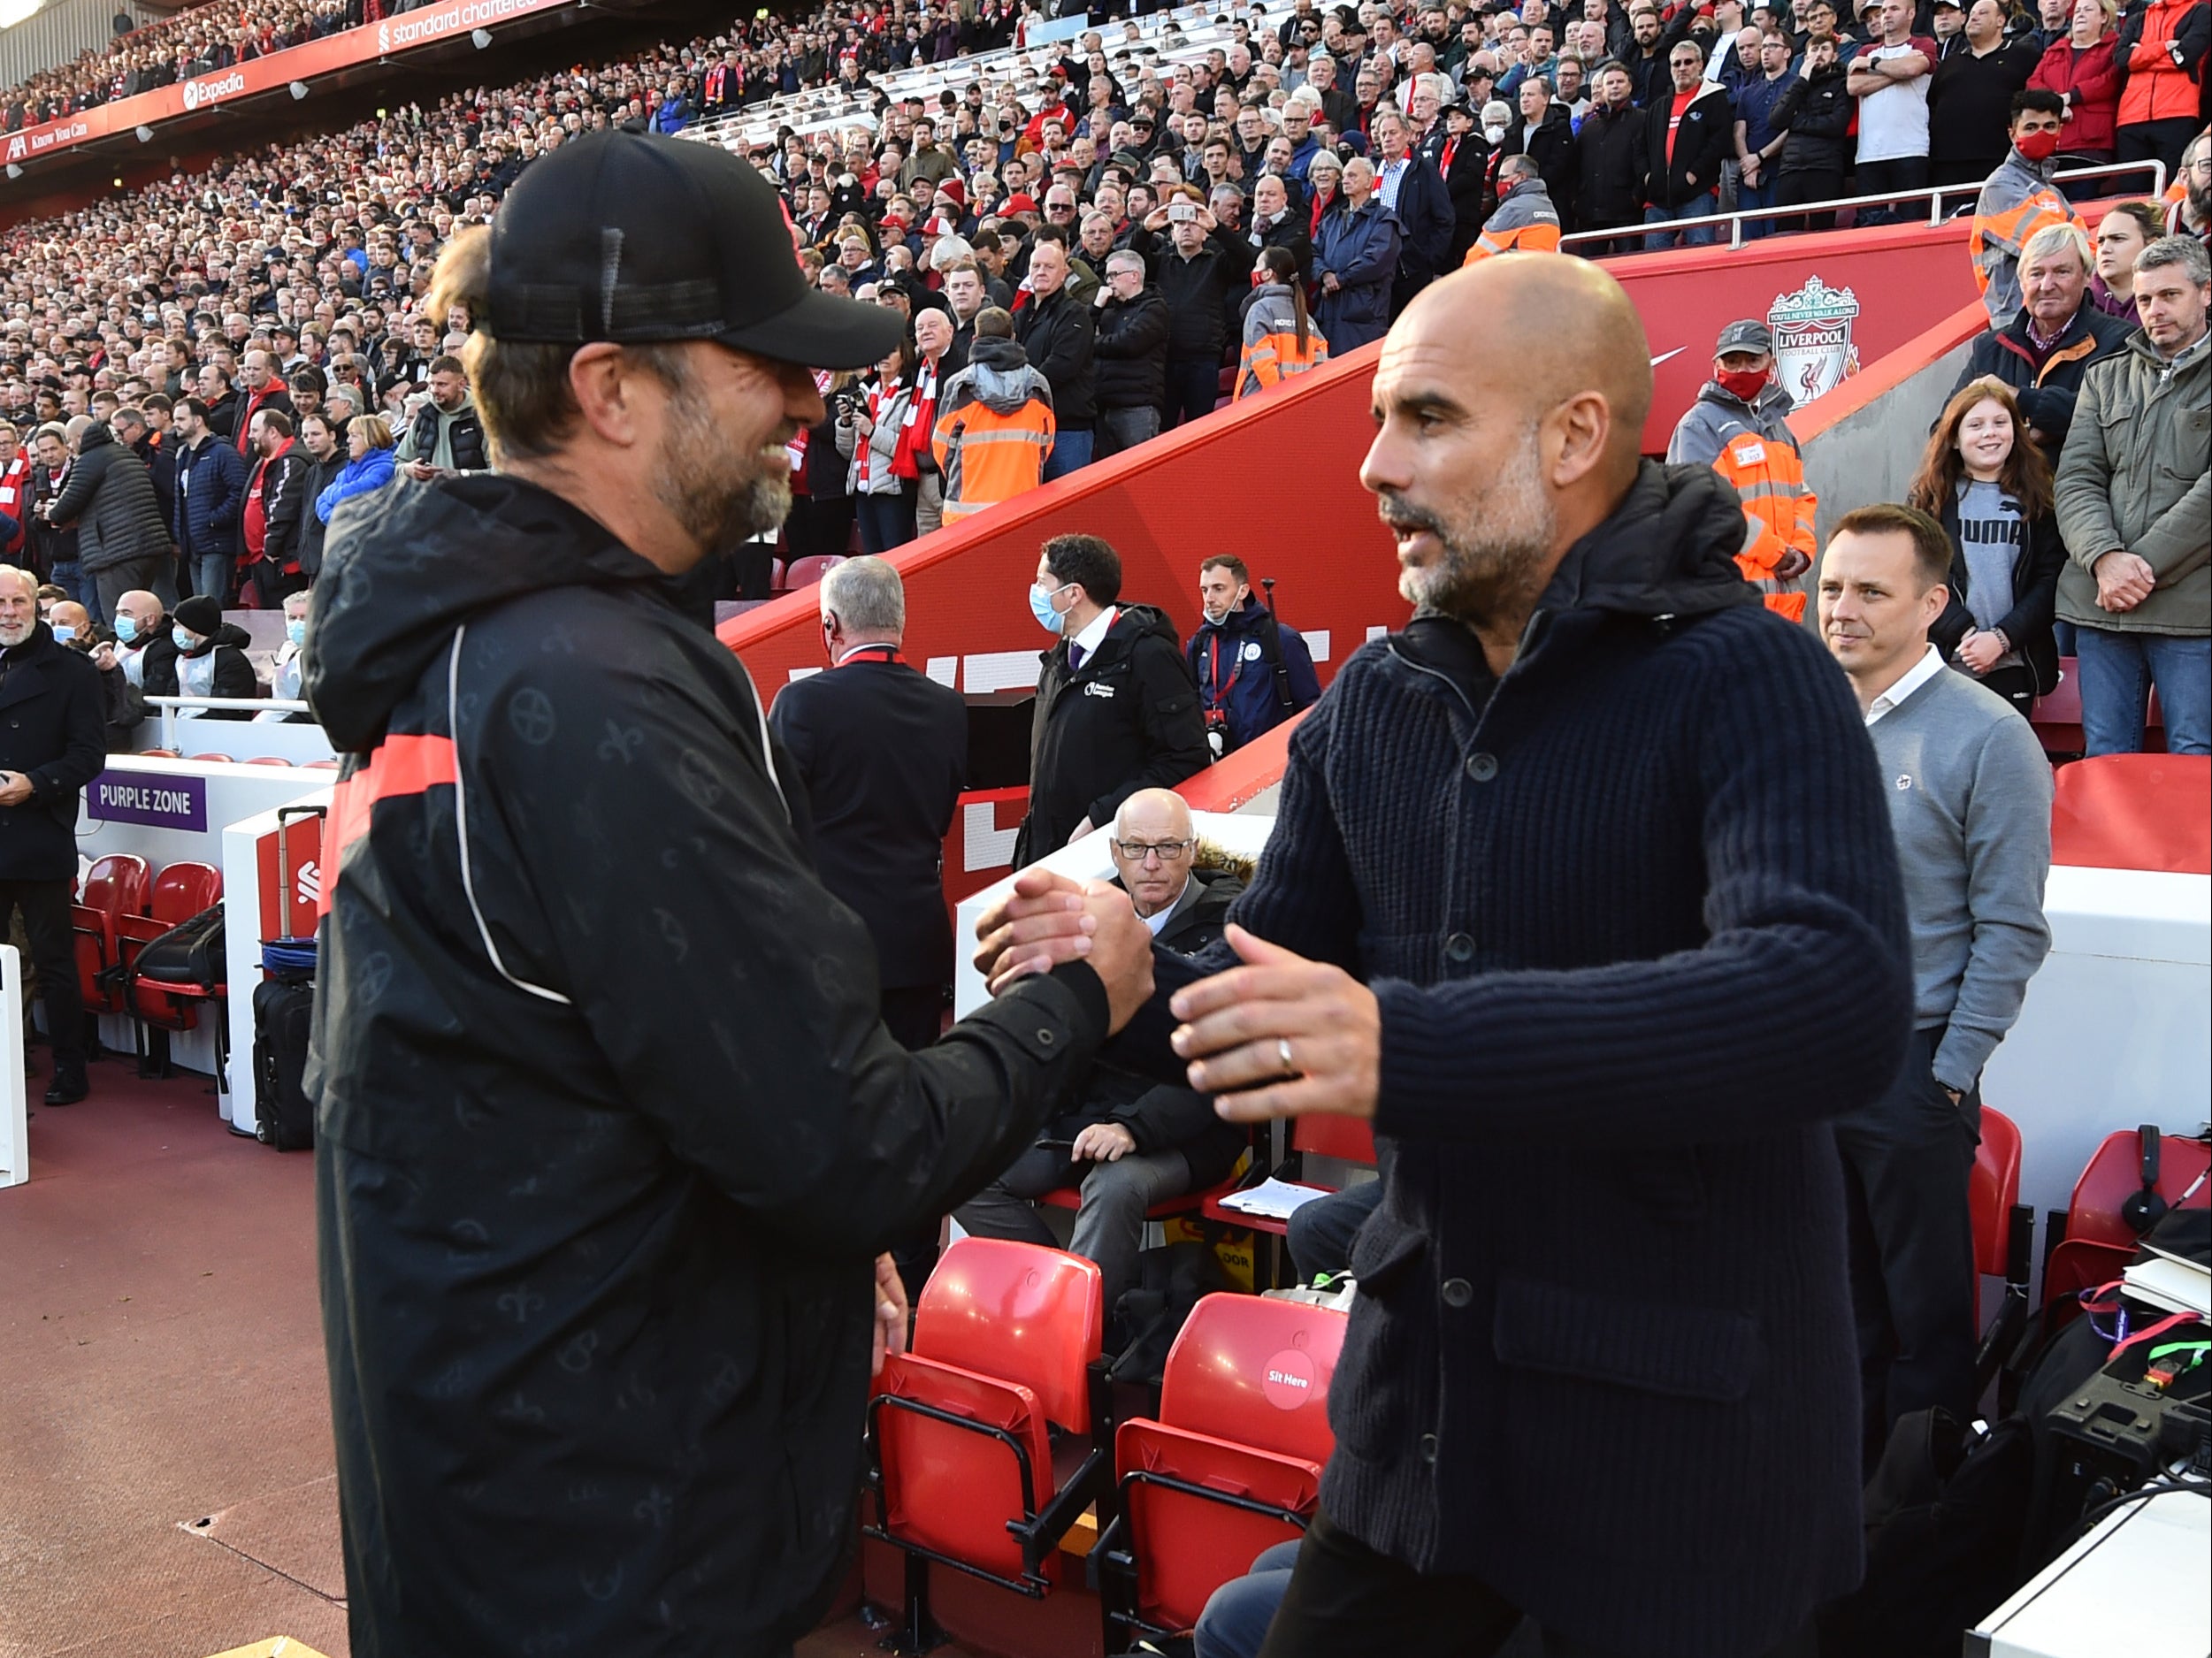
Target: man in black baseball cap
<point>610,1138</point>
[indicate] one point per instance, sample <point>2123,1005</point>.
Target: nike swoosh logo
<point>1665,355</point>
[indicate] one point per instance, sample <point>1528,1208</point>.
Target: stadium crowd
<point>1091,243</point>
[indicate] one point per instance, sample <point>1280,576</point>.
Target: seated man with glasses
<point>1126,1142</point>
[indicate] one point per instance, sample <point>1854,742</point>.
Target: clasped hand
<point>1236,1026</point>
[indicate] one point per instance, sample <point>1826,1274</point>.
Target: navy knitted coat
<point>1635,920</point>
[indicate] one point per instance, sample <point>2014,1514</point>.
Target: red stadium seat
<point>1347,1139</point>
<point>268,760</point>
<point>114,887</point>
<point>2004,1236</point>
<point>806,571</point>
<point>2135,812</point>
<point>1232,1467</point>
<point>981,1436</point>
<point>225,759</point>
<point>320,765</point>
<point>158,753</point>
<point>182,891</point>
<point>2096,1240</point>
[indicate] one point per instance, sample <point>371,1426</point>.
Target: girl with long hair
<point>1991,490</point>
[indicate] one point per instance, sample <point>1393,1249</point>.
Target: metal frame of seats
<point>126,877</point>
<point>955,1332</point>
<point>2004,1248</point>
<point>1223,1440</point>
<point>195,887</point>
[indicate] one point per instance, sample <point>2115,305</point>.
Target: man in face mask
<point>1740,427</point>
<point>1116,709</point>
<point>2018,199</point>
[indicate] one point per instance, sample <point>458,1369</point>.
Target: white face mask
<point>1496,134</point>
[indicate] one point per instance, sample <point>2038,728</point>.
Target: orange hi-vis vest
<point>1756,452</point>
<point>987,455</point>
<point>2015,204</point>
<point>1272,353</point>
<point>1525,222</point>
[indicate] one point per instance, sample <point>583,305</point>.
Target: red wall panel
<point>1276,481</point>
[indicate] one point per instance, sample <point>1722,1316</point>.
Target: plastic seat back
<point>2135,812</point>
<point>952,1489</point>
<point>2115,1175</point>
<point>1019,1313</point>
<point>268,759</point>
<point>128,878</point>
<point>1187,1543</point>
<point>183,890</point>
<point>1349,1139</point>
<point>225,759</point>
<point>806,571</point>
<point>1255,1371</point>
<point>1994,1189</point>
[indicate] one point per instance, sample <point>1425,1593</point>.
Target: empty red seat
<point>225,759</point>
<point>158,753</point>
<point>2004,1233</point>
<point>980,1435</point>
<point>1232,1467</point>
<point>182,890</point>
<point>114,887</point>
<point>2135,812</point>
<point>1317,1133</point>
<point>320,765</point>
<point>806,571</point>
<point>268,760</point>
<point>2099,1240</point>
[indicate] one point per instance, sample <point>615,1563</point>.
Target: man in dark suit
<point>53,743</point>
<point>882,752</point>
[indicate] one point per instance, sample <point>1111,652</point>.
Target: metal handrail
<point>171,708</point>
<point>1933,197</point>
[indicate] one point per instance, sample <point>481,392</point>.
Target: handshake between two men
<point>1277,1035</point>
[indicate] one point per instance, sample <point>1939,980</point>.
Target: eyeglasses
<point>1166,851</point>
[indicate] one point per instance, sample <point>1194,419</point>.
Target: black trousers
<point>914,1016</point>
<point>2015,685</point>
<point>1888,178</point>
<point>45,906</point>
<point>1194,386</point>
<point>2154,140</point>
<point>1345,1598</point>
<point>1791,189</point>
<point>1908,1159</point>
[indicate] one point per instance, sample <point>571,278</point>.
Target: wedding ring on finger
<point>1283,1053</point>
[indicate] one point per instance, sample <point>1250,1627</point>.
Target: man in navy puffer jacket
<point>1601,958</point>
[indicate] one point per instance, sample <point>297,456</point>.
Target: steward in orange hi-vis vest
<point>1525,222</point>
<point>1740,429</point>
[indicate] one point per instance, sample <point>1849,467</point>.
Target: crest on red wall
<point>1813,353</point>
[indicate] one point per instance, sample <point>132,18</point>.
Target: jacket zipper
<point>1521,655</point>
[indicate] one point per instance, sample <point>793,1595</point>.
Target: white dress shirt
<point>1093,637</point>
<point>1918,674</point>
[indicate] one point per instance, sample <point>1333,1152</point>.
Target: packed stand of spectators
<point>202,40</point>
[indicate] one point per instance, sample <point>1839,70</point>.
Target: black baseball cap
<point>637,239</point>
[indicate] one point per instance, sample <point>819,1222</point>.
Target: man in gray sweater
<point>1970,801</point>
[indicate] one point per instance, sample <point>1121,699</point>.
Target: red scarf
<point>920,422</point>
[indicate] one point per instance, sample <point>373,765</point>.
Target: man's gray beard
<point>719,498</point>
<point>1493,553</point>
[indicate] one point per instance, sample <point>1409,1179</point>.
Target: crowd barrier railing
<point>1933,196</point>
<point>173,709</point>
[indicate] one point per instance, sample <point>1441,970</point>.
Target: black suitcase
<point>284,1017</point>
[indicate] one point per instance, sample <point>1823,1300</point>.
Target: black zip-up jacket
<point>315,478</point>
<point>1595,908</point>
<point>1552,147</point>
<point>1130,352</point>
<point>608,1131</point>
<point>1609,162</point>
<point>2034,598</point>
<point>283,500</point>
<point>1816,111</point>
<point>1197,291</point>
<point>109,497</point>
<point>1128,719</point>
<point>1058,335</point>
<point>1706,137</point>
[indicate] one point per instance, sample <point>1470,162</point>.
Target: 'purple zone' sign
<point>139,797</point>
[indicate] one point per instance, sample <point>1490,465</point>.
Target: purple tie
<point>1075,657</point>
